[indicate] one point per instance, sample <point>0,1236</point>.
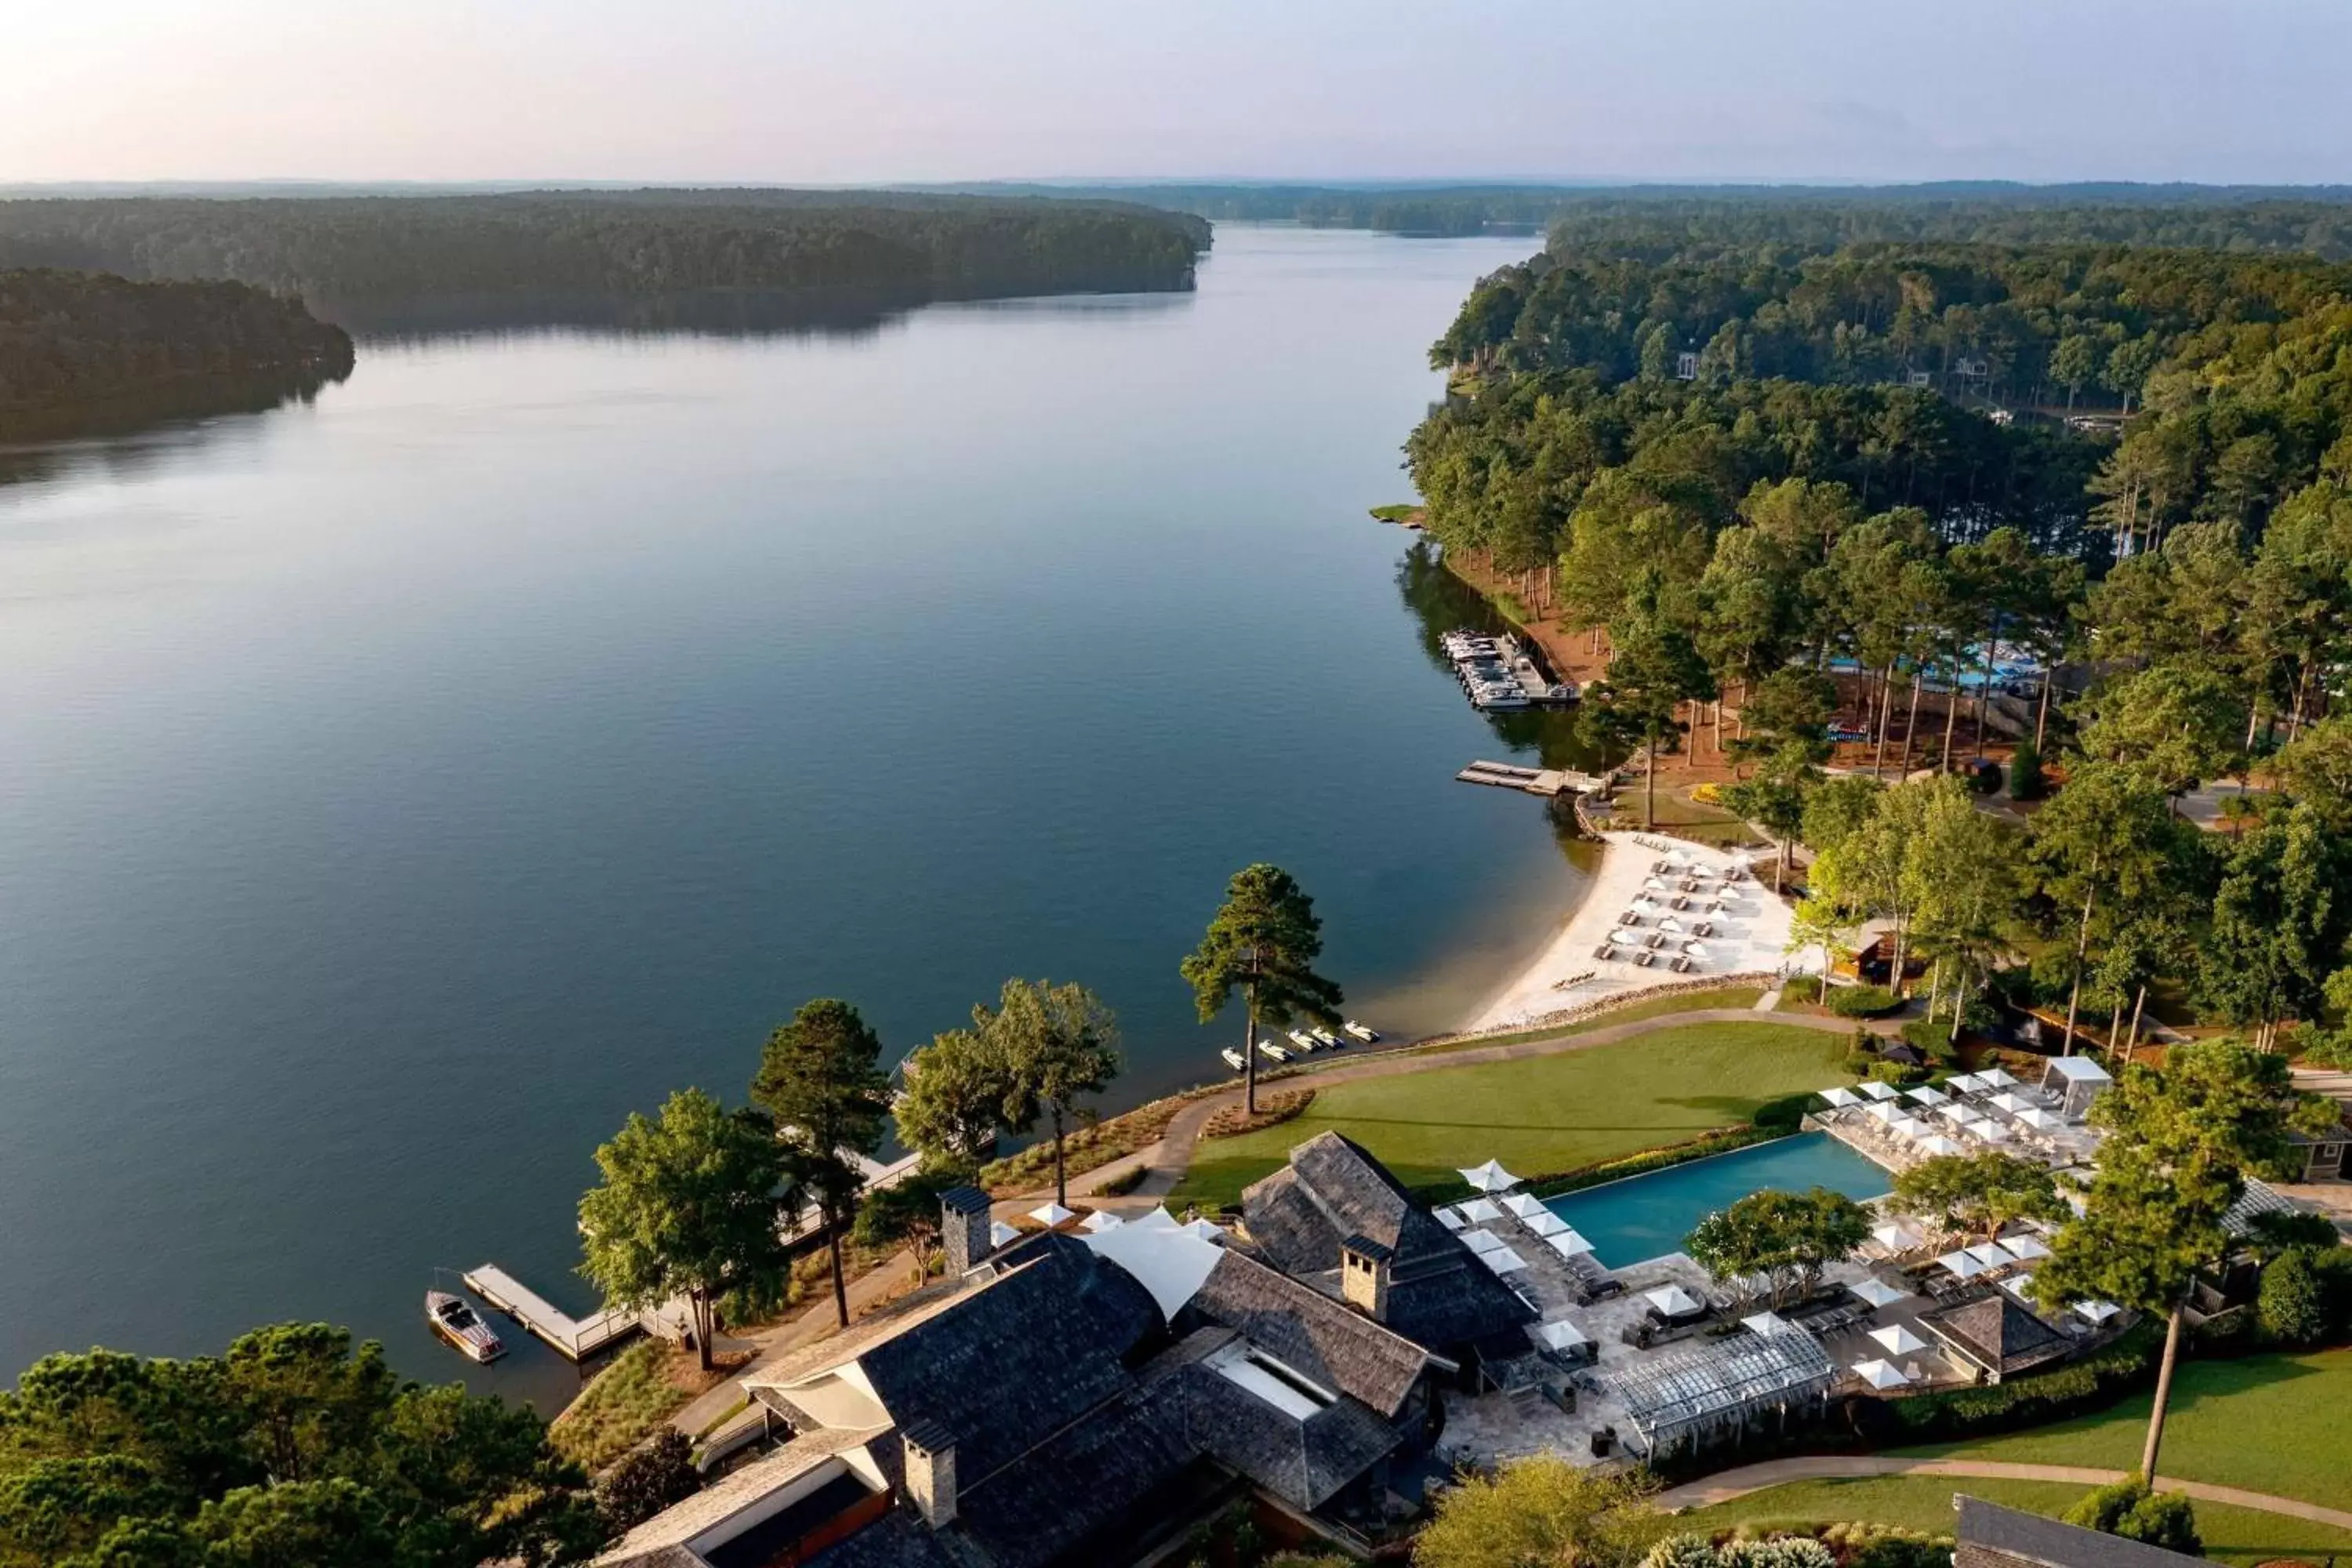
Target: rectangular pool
<point>1647,1216</point>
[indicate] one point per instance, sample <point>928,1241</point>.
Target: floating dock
<point>1544,782</point>
<point>577,1338</point>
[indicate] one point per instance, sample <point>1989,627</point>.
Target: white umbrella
<point>1962,1263</point>
<point>2028,1246</point>
<point>2006,1102</point>
<point>1102,1220</point>
<point>1672,1301</point>
<point>1623,938</point>
<point>1877,1091</point>
<point>2034,1116</point>
<point>1001,1234</point>
<point>1567,1244</point>
<point>1898,1340</point>
<point>1050,1215</point>
<point>1989,1131</point>
<point>1927,1094</point>
<point>1694,949</point>
<point>1561,1335</point>
<point>1523,1207</point>
<point>1840,1098</point>
<point>1884,1111</point>
<point>1998,1078</point>
<point>1547,1224</point>
<point>1896,1235</point>
<point>1991,1253</point>
<point>1939,1144</point>
<point>1483,1241</point>
<point>1964,1083</point>
<point>1479,1211</point>
<point>1647,906</point>
<point>2097,1311</point>
<point>1960,1115</point>
<point>1490,1177</point>
<point>1657,885</point>
<point>1765,1324</point>
<point>1448,1218</point>
<point>1879,1374</point>
<point>2020,1286</point>
<point>1907,1127</point>
<point>1503,1260</point>
<point>1876,1293</point>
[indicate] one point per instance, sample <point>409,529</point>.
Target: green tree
<point>2315,770</point>
<point>1783,1238</point>
<point>2129,1509</point>
<point>1822,920</point>
<point>1836,811</point>
<point>2280,928</point>
<point>2176,724</point>
<point>1788,711</point>
<point>2105,842</point>
<point>646,1480</point>
<point>2076,364</point>
<point>2179,1144</point>
<point>1979,1194</point>
<point>907,1211</point>
<point>1655,672</point>
<point>1542,1512</point>
<point>1775,801</point>
<point>953,1105</point>
<point>820,1076</point>
<point>1057,1044</point>
<point>1263,941</point>
<point>688,1206</point>
<point>1961,867</point>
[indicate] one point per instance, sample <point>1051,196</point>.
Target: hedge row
<point>2093,1382</point>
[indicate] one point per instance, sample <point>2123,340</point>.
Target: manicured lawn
<point>2234,1535</point>
<point>1540,1115</point>
<point>2276,1424</point>
<point>1721,996</point>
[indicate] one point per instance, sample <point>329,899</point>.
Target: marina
<point>1499,676</point>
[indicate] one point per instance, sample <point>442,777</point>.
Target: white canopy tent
<point>1546,1223</point>
<point>2006,1102</point>
<point>2020,1286</point>
<point>1960,1115</point>
<point>2025,1247</point>
<point>1001,1234</point>
<point>1884,1111</point>
<point>1990,1131</point>
<point>1991,1253</point>
<point>1937,1145</point>
<point>1964,1083</point>
<point>1567,1244</point>
<point>1205,1231</point>
<point>2097,1311</point>
<point>1522,1206</point>
<point>1998,1078</point>
<point>2040,1121</point>
<point>1907,1127</point>
<point>1927,1094</point>
<point>1879,1374</point>
<point>1765,1323</point>
<point>1895,1235</point>
<point>1483,1241</point>
<point>1101,1220</point>
<point>1898,1340</point>
<point>1503,1260</point>
<point>1489,1177</point>
<point>1960,1264</point>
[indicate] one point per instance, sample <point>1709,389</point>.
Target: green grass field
<point>2275,1424</point>
<point>1721,996</point>
<point>2233,1535</point>
<point>1539,1115</point>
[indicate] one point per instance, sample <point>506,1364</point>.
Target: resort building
<point>1991,1536</point>
<point>1994,1337</point>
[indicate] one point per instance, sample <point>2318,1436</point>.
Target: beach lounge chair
<point>1645,958</point>
<point>1677,902</point>
<point>1604,952</point>
<point>1629,919</point>
<point>1704,928</point>
<point>1681,964</point>
<point>1657,939</point>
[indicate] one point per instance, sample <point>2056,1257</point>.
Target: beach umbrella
<point>1624,938</point>
<point>1895,1234</point>
<point>1960,1115</point>
<point>1880,1111</point>
<point>1695,950</point>
<point>1879,1374</point>
<point>1839,1099</point>
<point>1001,1234</point>
<point>1545,1223</point>
<point>1907,1127</point>
<point>1939,1144</point>
<point>1964,1083</point>
<point>1647,906</point>
<point>1880,1091</point>
<point>1155,1219</point>
<point>1102,1220</point>
<point>1765,1324</point>
<point>1927,1094</point>
<point>1481,1211</point>
<point>1050,1215</point>
<point>1989,1131</point>
<point>1998,1078</point>
<point>1961,1265</point>
<point>2034,1116</point>
<point>1561,1334</point>
<point>1482,1241</point>
<point>2020,1286</point>
<point>1567,1244</point>
<point>1503,1260</point>
<point>1521,1205</point>
<point>1672,1301</point>
<point>1898,1340</point>
<point>2097,1311</point>
<point>2006,1102</point>
<point>1877,1293</point>
<point>2025,1247</point>
<point>1489,1177</point>
<point>1448,1218</point>
<point>1657,885</point>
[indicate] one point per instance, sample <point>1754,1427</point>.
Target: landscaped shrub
<point>2127,1509</point>
<point>1893,1072</point>
<point>1859,1063</point>
<point>1785,1114</point>
<point>1932,1038</point>
<point>2306,1297</point>
<point>1862,1001</point>
<point>649,1480</point>
<point>1872,1545</point>
<point>2025,773</point>
<point>2086,1384</point>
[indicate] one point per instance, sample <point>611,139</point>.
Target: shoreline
<point>1750,935</point>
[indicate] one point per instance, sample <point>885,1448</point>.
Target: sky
<point>782,91</point>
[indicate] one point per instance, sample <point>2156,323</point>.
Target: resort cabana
<point>1996,1336</point>
<point>1880,1091</point>
<point>1694,1393</point>
<point>1879,1374</point>
<point>2074,1082</point>
<point>1489,1177</point>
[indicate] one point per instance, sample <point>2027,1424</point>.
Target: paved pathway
<point>868,1290</point>
<point>1730,1484</point>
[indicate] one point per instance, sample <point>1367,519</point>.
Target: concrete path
<point>1738,1483</point>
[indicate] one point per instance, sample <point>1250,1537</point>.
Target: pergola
<point>1715,1388</point>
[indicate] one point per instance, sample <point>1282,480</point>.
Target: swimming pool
<point>1645,1217</point>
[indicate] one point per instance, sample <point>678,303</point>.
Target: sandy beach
<point>1749,934</point>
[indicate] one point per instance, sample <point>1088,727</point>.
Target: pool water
<point>1647,1216</point>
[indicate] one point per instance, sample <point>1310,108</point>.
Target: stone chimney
<point>1364,1277</point>
<point>965,1229</point>
<point>930,1483</point>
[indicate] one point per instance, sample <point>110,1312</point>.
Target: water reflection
<point>1442,601</point>
<point>125,436</point>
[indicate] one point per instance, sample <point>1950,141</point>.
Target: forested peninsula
<point>84,340</point>
<point>333,250</point>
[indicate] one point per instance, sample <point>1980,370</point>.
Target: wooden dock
<point>1545,782</point>
<point>578,1338</point>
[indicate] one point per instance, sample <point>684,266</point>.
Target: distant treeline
<point>82,340</point>
<point>613,243</point>
<point>1649,221</point>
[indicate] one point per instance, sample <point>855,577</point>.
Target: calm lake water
<point>402,788</point>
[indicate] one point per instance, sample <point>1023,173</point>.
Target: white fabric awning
<point>1489,1177</point>
<point>1879,1374</point>
<point>1876,1293</point>
<point>1898,1340</point>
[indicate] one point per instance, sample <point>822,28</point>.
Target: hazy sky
<point>901,89</point>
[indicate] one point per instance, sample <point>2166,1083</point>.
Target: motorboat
<point>462,1327</point>
<point>1324,1036</point>
<point>1234,1058</point>
<point>1274,1049</point>
<point>1302,1039</point>
<point>1361,1032</point>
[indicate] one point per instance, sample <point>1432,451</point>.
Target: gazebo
<point>1720,1388</point>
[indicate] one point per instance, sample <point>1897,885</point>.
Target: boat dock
<point>1497,673</point>
<point>577,1338</point>
<point>1544,782</point>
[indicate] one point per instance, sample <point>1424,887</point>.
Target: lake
<point>402,786</point>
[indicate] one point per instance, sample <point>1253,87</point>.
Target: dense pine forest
<point>86,339</point>
<point>619,243</point>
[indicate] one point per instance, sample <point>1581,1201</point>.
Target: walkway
<point>1738,1483</point>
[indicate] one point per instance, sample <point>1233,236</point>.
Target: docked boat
<point>1324,1036</point>
<point>1302,1039</point>
<point>462,1327</point>
<point>1362,1033</point>
<point>1233,1059</point>
<point>1274,1049</point>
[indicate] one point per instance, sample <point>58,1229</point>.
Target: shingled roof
<point>1991,1536</point>
<point>1438,1294</point>
<point>1997,1334</point>
<point>1324,1339</point>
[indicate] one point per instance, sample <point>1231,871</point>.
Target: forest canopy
<point>330,249</point>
